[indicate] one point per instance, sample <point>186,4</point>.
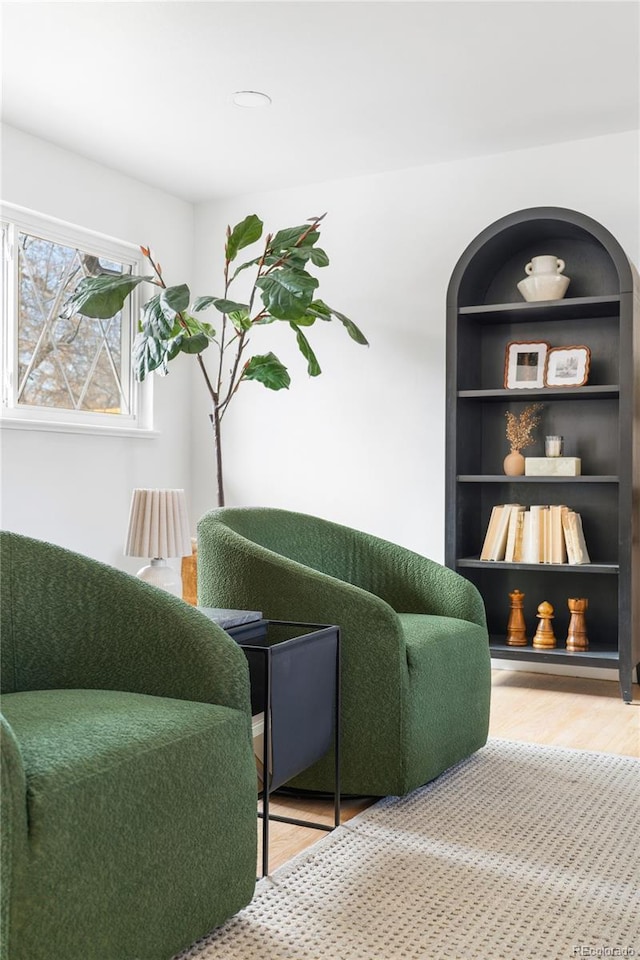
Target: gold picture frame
<point>525,364</point>
<point>567,366</point>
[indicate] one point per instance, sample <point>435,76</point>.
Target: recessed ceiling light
<point>251,98</point>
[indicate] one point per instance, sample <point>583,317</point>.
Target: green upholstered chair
<point>415,651</point>
<point>128,776</point>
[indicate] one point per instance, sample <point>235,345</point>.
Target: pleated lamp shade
<point>159,528</point>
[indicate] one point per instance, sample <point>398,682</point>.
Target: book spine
<point>491,526</point>
<point>579,543</point>
<point>577,552</point>
<point>558,548</point>
<point>515,525</point>
<point>528,550</point>
<point>518,555</point>
<point>535,552</point>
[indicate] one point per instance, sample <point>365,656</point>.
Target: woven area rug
<point>521,851</point>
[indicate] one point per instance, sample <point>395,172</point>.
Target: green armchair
<point>128,775</point>
<point>415,649</point>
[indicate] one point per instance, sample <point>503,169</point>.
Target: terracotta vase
<point>514,464</point>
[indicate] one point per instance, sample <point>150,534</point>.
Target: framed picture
<point>524,364</point>
<point>567,367</point>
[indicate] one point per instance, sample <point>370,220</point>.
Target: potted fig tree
<point>283,290</point>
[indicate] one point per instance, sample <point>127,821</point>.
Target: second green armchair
<point>415,651</point>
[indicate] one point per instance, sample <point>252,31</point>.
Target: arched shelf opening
<point>489,269</point>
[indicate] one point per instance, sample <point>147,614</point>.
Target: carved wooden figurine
<point>577,634</point>
<point>516,627</point>
<point>545,638</point>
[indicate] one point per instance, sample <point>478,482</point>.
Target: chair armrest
<point>407,581</point>
<point>78,623</point>
<point>13,839</point>
<point>411,583</point>
<point>236,572</point>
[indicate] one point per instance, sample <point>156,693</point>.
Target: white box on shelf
<point>552,466</point>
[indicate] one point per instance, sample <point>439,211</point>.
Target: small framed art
<point>567,367</point>
<point>524,364</point>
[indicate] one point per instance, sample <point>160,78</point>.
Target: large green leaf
<point>318,308</point>
<point>195,344</point>
<point>154,353</point>
<point>240,319</point>
<point>174,345</point>
<point>224,306</point>
<point>102,297</point>
<point>149,354</point>
<point>290,236</point>
<point>354,332</point>
<point>318,257</point>
<point>287,292</point>
<point>243,234</point>
<point>268,370</point>
<point>313,367</point>
<point>231,306</point>
<point>299,256</point>
<point>203,303</point>
<point>267,261</point>
<point>193,325</point>
<point>174,300</point>
<point>307,320</point>
<point>154,322</point>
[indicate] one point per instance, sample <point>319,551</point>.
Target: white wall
<point>363,444</point>
<point>73,489</point>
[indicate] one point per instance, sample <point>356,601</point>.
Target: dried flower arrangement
<point>520,427</point>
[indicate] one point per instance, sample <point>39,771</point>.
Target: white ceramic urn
<point>545,279</point>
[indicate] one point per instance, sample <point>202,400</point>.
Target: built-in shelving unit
<point>596,420</point>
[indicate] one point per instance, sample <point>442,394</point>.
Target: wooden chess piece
<point>516,627</point>
<point>577,634</point>
<point>544,638</point>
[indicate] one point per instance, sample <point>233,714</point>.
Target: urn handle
<point>529,268</point>
<point>561,265</point>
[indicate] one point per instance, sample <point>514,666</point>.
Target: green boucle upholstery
<point>128,776</point>
<point>415,649</point>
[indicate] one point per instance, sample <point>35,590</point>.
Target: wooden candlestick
<point>516,627</point>
<point>577,634</point>
<point>545,638</point>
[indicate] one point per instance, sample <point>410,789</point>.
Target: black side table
<point>295,682</point>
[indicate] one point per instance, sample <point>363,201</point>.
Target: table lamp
<point>158,529</point>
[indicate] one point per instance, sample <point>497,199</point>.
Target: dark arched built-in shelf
<point>485,312</point>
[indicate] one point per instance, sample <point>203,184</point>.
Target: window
<point>60,368</point>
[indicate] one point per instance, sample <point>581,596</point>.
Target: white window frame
<point>137,423</point>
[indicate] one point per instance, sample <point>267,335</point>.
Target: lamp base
<point>159,574</point>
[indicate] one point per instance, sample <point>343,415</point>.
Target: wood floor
<point>535,708</point>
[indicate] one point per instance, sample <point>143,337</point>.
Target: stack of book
<point>537,534</point>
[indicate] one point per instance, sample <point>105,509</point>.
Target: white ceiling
<point>357,87</point>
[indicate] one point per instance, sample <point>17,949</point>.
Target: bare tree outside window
<point>66,361</point>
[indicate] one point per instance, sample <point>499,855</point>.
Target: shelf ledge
<point>596,655</point>
<point>570,308</point>
<point>606,391</point>
<point>612,568</point>
<point>503,478</point>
